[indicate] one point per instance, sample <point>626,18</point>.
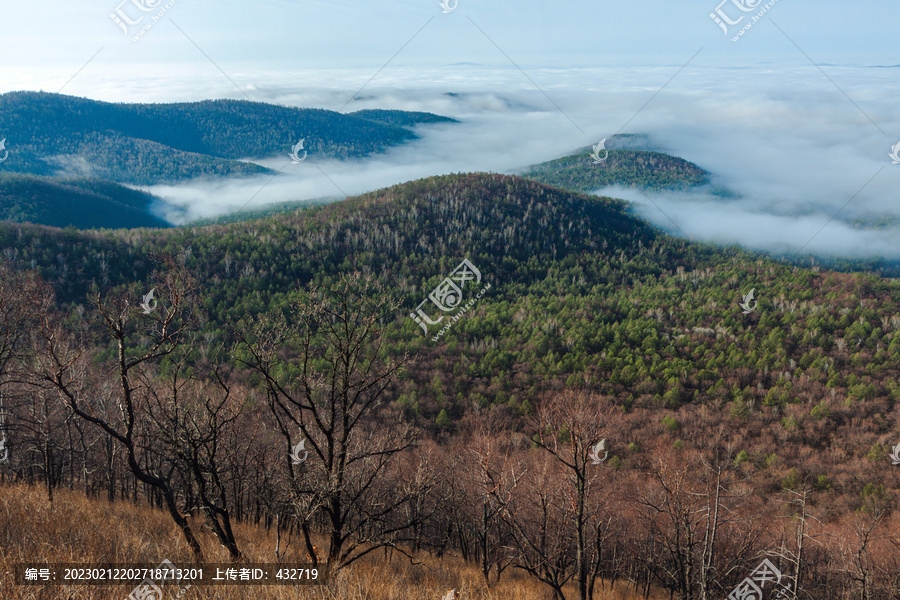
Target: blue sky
<point>237,35</point>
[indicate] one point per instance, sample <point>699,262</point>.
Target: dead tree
<point>141,339</point>
<point>672,516</point>
<point>533,499</point>
<point>729,534</point>
<point>22,295</point>
<point>325,375</point>
<point>572,428</point>
<point>489,453</point>
<point>795,554</point>
<point>192,420</point>
<point>544,498</point>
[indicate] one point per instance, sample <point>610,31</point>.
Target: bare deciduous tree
<point>326,374</point>
<point>140,341</point>
<point>481,474</point>
<point>546,504</point>
<point>193,421</point>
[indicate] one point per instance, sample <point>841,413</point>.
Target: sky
<point>797,116</point>
<point>317,34</point>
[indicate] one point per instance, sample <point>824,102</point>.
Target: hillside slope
<point>75,528</point>
<point>583,296</point>
<point>144,144</point>
<point>80,203</point>
<point>639,168</point>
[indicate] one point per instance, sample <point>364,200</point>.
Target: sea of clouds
<point>803,150</point>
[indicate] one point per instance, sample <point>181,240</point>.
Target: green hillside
<point>143,144</point>
<point>637,168</point>
<point>583,293</point>
<point>781,408</point>
<point>80,203</point>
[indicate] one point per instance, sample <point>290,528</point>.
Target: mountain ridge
<point>146,144</point>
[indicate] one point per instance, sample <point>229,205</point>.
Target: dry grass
<point>78,529</point>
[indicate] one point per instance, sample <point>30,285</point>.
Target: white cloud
<point>791,146</point>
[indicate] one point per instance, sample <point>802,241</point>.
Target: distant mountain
<point>146,144</point>
<point>81,203</point>
<point>401,118</point>
<point>628,167</point>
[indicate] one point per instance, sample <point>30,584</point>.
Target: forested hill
<point>144,144</point>
<point>401,118</point>
<point>81,203</point>
<point>408,234</point>
<point>582,294</point>
<point>637,168</point>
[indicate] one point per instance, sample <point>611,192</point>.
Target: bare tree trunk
<point>48,467</point>
<point>183,525</point>
<point>333,340</point>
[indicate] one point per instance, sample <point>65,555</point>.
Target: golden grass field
<point>74,528</point>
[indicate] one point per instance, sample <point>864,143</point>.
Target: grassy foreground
<point>74,528</point>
